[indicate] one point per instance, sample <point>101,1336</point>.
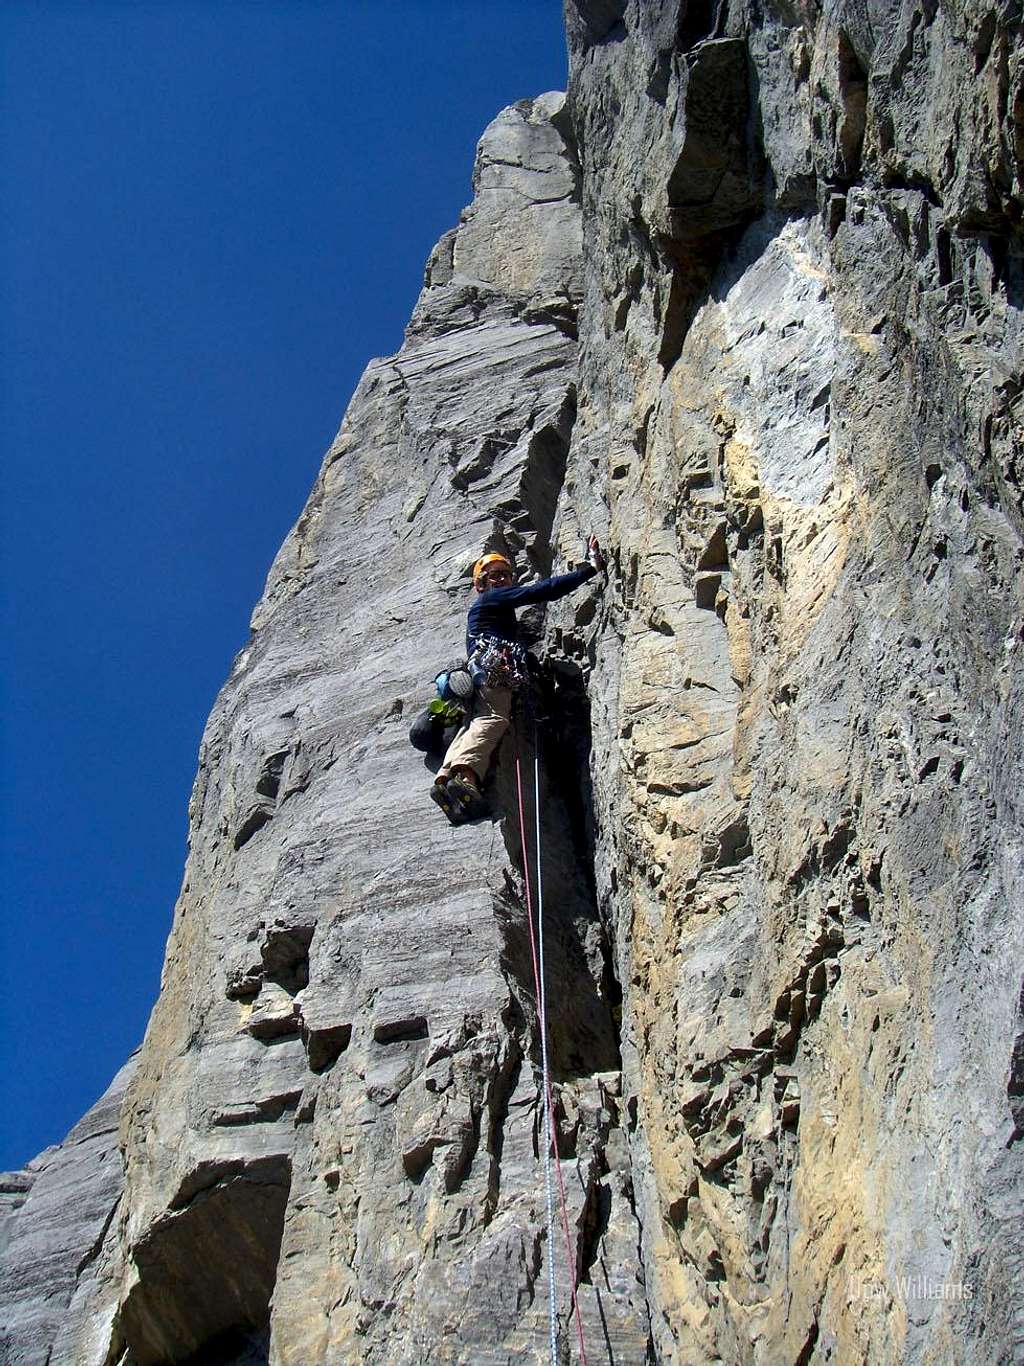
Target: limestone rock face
<point>56,1216</point>
<point>799,424</point>
<point>331,1140</point>
<point>747,303</point>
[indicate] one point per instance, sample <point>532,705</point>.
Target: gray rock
<point>53,1236</point>
<point>802,672</point>
<point>14,1189</point>
<point>337,1103</point>
<point>748,305</point>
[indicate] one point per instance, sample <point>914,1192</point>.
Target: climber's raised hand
<point>594,555</point>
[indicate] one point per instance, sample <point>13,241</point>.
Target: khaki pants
<point>475,743</point>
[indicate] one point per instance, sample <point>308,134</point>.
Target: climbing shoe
<point>439,794</point>
<point>459,799</point>
<point>465,796</point>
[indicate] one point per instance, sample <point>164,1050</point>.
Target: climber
<point>497,659</point>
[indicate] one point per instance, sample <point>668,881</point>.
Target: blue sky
<point>215,214</point>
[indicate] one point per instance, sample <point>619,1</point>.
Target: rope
<point>550,1131</point>
<point>537,982</point>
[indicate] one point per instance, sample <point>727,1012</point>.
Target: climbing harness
<point>550,1131</point>
<point>497,663</point>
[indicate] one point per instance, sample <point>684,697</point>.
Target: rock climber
<point>497,658</point>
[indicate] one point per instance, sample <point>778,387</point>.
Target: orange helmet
<point>487,562</point>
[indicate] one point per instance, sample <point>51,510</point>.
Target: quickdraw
<point>500,663</point>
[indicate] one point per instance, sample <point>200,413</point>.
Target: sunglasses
<point>493,575</point>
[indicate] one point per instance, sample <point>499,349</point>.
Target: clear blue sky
<point>214,214</point>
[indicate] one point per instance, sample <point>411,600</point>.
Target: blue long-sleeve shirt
<point>493,612</point>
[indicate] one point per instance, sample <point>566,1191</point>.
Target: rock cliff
<point>747,302</point>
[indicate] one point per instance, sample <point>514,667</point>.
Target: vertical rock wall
<point>747,303</point>
<point>53,1239</point>
<point>331,1142</point>
<point>799,420</point>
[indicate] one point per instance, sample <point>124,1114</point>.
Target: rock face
<point>801,397</point>
<point>747,303</point>
<point>56,1215</point>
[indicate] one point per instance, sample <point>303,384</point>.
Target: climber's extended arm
<point>549,590</point>
<point>544,590</point>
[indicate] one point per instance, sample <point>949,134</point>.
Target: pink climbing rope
<point>549,1104</point>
